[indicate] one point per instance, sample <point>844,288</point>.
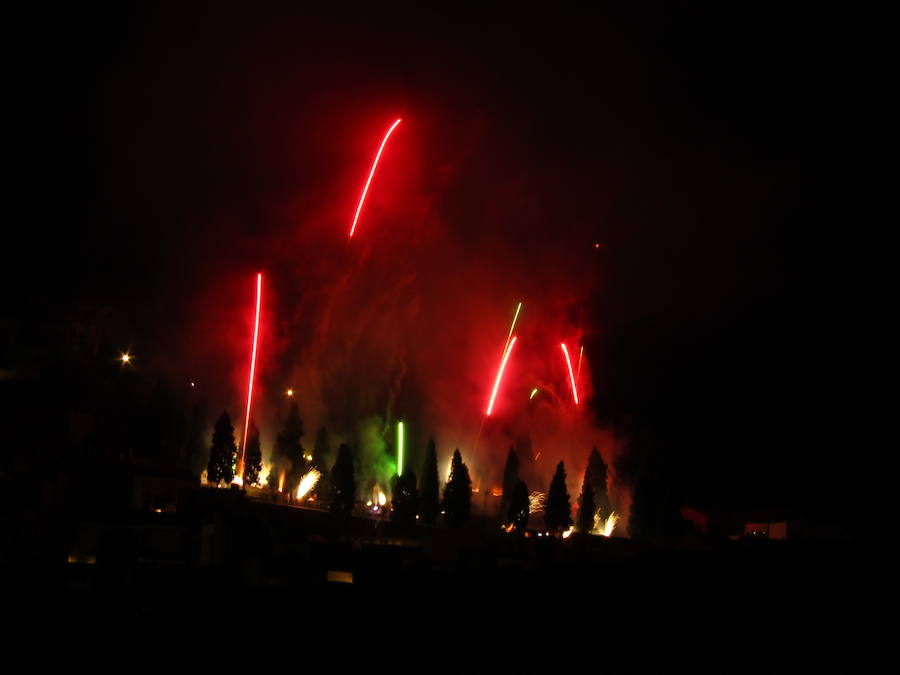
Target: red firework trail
<point>500,375</point>
<point>252,371</point>
<point>571,374</point>
<point>362,197</point>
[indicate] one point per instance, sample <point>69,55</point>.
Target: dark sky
<point>718,155</point>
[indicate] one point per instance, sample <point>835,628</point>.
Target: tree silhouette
<point>405,500</point>
<point>223,451</point>
<point>519,506</point>
<point>320,455</point>
<point>596,476</point>
<point>253,457</point>
<point>343,482</point>
<point>510,480</point>
<point>586,508</point>
<point>430,502</point>
<point>288,449</point>
<point>558,509</point>
<point>457,493</point>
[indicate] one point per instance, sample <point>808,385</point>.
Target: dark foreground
<point>222,553</point>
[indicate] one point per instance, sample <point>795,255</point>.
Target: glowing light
<point>536,502</point>
<point>263,474</point>
<point>238,479</point>
<point>533,393</point>
<point>281,481</point>
<point>252,371</point>
<point>512,327</point>
<point>192,384</point>
<point>490,407</point>
<point>382,500</point>
<point>362,197</point>
<point>290,392</point>
<point>571,374</point>
<point>605,527</point>
<point>578,369</point>
<point>126,358</point>
<point>610,524</point>
<point>400,448</point>
<point>568,533</point>
<point>307,483</point>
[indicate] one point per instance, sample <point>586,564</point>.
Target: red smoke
<point>405,323</point>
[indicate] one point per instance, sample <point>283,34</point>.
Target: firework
<point>571,374</point>
<point>263,477</point>
<point>512,327</point>
<point>533,393</point>
<point>362,197</point>
<point>578,368</point>
<point>400,448</point>
<point>307,483</point>
<point>536,502</point>
<point>610,524</point>
<point>605,527</point>
<point>500,375</point>
<point>252,371</point>
<point>568,533</point>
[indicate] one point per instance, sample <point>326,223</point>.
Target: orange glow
<point>307,483</point>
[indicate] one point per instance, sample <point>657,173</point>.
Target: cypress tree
<point>519,506</point>
<point>429,487</point>
<point>288,449</point>
<point>596,475</point>
<point>458,493</point>
<point>558,509</point>
<point>223,451</point>
<point>343,482</point>
<point>510,480</point>
<point>405,500</point>
<point>586,508</point>
<point>253,457</point>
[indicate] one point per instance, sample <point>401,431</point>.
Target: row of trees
<point>515,504</point>
<point>411,498</point>
<point>289,462</point>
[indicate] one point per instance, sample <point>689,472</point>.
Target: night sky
<point>719,157</point>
